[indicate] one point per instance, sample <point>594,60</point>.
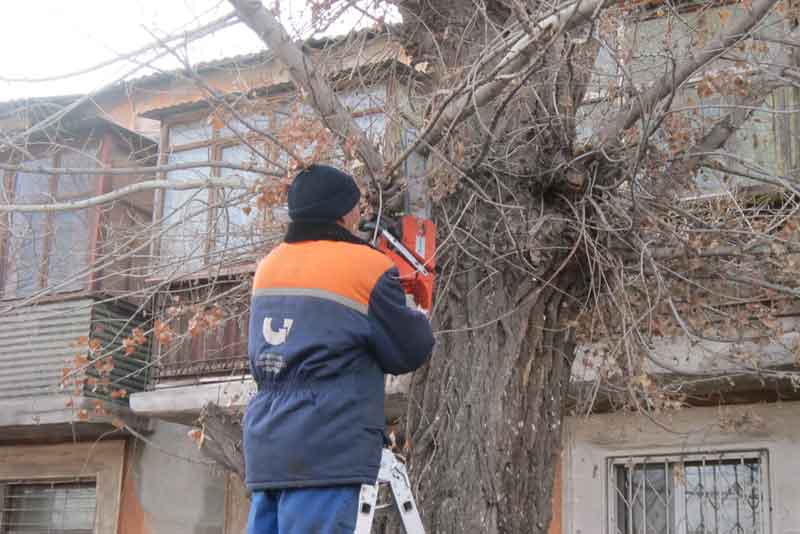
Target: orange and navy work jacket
<point>328,320</point>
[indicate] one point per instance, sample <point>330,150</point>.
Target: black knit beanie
<point>321,193</point>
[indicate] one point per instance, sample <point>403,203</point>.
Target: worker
<point>328,320</point>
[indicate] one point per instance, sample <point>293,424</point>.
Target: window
<point>48,251</point>
<point>205,229</point>
<point>203,226</point>
<point>53,507</point>
<point>235,226</point>
<point>186,213</point>
<point>717,493</point>
<point>642,48</point>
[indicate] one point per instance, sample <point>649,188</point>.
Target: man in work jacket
<point>328,320</point>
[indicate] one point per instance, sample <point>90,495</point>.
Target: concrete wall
<point>170,488</point>
<point>668,355</point>
<point>589,442</point>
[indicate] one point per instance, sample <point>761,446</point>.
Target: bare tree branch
<point>150,185</point>
<point>124,171</point>
<point>303,71</point>
<point>744,107</point>
<point>517,59</point>
<point>672,80</point>
<point>187,37</point>
<point>215,25</point>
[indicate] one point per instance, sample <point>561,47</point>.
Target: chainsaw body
<point>411,244</point>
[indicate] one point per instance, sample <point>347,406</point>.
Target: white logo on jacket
<point>278,337</point>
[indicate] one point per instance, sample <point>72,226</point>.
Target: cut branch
<point>222,438</point>
<point>307,77</point>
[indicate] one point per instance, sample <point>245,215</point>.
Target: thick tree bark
<point>485,415</point>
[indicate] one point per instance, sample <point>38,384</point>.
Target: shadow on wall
<point>169,486</point>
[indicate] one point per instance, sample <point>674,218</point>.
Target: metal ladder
<point>392,472</point>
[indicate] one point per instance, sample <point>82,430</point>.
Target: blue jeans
<point>330,510</point>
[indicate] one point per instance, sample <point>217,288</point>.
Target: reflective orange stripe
<point>345,269</point>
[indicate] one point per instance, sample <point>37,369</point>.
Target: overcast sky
<point>47,38</point>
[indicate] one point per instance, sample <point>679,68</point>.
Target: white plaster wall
<point>590,441</point>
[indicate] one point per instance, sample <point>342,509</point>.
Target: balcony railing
<point>208,325</point>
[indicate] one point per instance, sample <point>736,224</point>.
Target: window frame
<point>612,462</point>
<point>9,187</point>
<point>102,460</point>
<point>215,146</point>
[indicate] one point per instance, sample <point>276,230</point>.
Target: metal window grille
<point>717,493</point>
<point>54,507</point>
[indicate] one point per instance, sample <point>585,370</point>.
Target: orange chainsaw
<point>411,245</point>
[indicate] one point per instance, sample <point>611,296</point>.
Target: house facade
<point>724,461</point>
<point>95,416</point>
<point>121,321</point>
<point>68,301</point>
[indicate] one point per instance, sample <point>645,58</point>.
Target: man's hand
<point>411,303</point>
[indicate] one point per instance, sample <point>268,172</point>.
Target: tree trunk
<point>485,415</point>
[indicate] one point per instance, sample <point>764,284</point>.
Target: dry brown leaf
<point>118,423</point>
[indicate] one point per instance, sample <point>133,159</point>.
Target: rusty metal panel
<point>217,351</point>
<point>35,342</point>
<point>220,351</point>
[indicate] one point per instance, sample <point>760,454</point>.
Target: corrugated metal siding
<point>35,341</point>
<point>38,342</point>
<point>112,322</point>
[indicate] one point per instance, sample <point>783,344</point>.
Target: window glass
<point>185,236</point>
<point>363,99</point>
<point>27,239</point>
<point>76,185</point>
<point>235,126</point>
<point>55,508</point>
<point>190,132</point>
<point>236,221</point>
<point>69,248</point>
<point>374,126</point>
<point>690,496</point>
